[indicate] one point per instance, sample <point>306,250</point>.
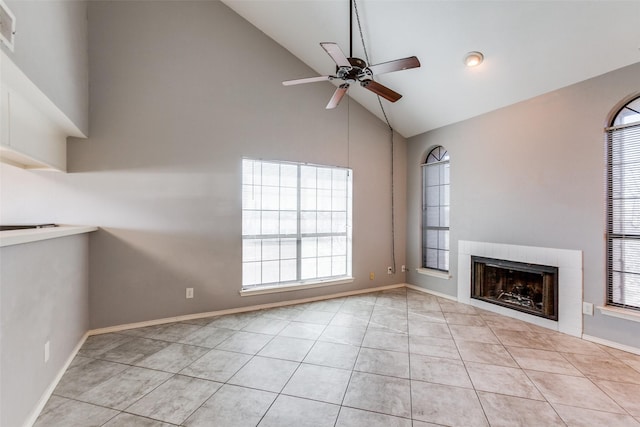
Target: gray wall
<point>51,48</point>
<point>530,174</point>
<point>179,94</point>
<point>44,297</point>
<point>44,292</point>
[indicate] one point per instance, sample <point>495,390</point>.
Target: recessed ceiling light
<point>473,59</point>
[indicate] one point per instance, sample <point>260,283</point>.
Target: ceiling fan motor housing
<point>356,72</point>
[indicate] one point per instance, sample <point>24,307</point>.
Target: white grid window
<point>435,210</point>
<point>296,223</point>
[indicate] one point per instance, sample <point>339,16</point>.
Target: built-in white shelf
<point>17,237</point>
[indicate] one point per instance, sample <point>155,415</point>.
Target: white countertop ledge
<point>18,237</point>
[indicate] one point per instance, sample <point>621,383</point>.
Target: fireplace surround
<point>570,278</point>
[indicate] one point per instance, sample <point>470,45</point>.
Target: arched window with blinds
<point>623,208</point>
<point>435,210</point>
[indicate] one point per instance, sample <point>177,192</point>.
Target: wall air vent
<point>7,26</point>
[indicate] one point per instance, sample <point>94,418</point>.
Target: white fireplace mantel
<point>569,263</point>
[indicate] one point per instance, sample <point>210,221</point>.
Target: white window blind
<point>623,208</point>
<point>435,210</point>
<point>296,223</point>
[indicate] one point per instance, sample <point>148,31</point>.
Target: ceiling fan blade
<point>336,54</point>
<point>337,96</point>
<point>307,80</point>
<point>381,90</point>
<point>397,65</point>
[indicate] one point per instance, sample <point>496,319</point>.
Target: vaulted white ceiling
<point>530,48</point>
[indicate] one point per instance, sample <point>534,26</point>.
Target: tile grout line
<point>609,396</point>
<point>245,364</point>
<point>590,379</point>
<point>226,381</point>
<point>298,367</point>
<point>355,362</point>
<point>534,383</point>
<point>409,358</point>
<point>172,375</point>
<point>464,364</point>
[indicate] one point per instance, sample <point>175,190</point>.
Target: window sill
<point>621,313</point>
<point>434,273</point>
<point>294,287</point>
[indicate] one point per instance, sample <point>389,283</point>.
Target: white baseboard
<point>49,391</point>
<point>612,344</point>
<point>124,327</point>
<point>429,291</point>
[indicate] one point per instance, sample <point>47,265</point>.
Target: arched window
<point>623,207</point>
<point>435,210</point>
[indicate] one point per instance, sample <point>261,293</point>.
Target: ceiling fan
<point>352,70</point>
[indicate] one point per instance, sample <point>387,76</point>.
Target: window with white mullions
<point>296,224</point>
<point>623,208</point>
<point>435,210</point>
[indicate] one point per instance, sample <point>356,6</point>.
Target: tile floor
<point>394,358</point>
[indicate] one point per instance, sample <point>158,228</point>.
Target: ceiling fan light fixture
<point>473,59</point>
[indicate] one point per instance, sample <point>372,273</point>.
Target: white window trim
<point>256,289</point>
<point>260,290</point>
<point>434,273</point>
<point>620,313</point>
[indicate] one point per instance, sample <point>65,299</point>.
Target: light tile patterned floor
<point>394,358</point>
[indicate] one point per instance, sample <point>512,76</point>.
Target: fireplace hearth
<point>529,288</point>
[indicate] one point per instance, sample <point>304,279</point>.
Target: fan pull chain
<point>386,119</point>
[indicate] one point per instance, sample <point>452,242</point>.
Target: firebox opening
<point>529,288</point>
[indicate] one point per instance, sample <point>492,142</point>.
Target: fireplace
<point>529,288</point>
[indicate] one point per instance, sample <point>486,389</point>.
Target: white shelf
<point>17,237</point>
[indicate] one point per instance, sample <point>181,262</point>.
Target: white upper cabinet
<point>33,130</point>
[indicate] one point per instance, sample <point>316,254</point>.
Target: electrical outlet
<point>389,270</point>
<point>372,276</point>
<point>587,308</point>
<point>404,268</point>
<point>46,352</point>
<point>189,292</point>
